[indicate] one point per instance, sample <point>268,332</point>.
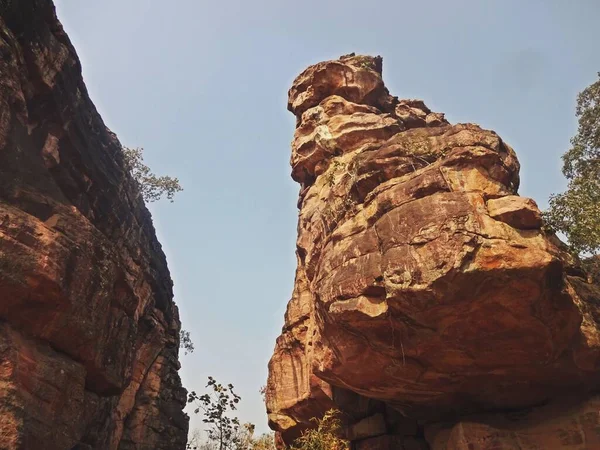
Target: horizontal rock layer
<point>426,287</point>
<point>89,333</point>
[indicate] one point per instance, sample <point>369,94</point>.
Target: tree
<point>325,436</point>
<point>152,187</point>
<point>576,212</point>
<point>224,431</point>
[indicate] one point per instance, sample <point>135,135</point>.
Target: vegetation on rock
<point>185,341</point>
<point>325,436</point>
<point>152,187</point>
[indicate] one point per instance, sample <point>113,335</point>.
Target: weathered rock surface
<point>518,212</point>
<point>425,286</point>
<point>567,424</point>
<point>89,333</point>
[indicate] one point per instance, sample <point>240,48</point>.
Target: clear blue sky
<point>202,87</point>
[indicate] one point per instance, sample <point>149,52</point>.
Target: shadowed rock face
<point>425,286</point>
<point>89,333</point>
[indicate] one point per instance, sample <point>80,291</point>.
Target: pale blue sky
<point>202,87</point>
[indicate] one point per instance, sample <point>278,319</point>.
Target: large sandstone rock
<point>425,284</point>
<point>567,424</point>
<point>89,333</point>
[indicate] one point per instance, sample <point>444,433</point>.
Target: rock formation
<point>89,333</point>
<point>429,305</point>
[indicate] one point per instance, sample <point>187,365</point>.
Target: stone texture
<point>518,212</point>
<point>41,391</point>
<point>391,442</point>
<point>368,427</point>
<point>425,286</point>
<point>89,333</point>
<point>571,424</point>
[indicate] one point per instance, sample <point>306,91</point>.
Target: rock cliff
<point>429,305</point>
<point>89,333</point>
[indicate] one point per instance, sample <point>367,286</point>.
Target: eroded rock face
<point>89,333</point>
<point>425,284</point>
<point>571,424</point>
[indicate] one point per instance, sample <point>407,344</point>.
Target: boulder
<point>518,212</point>
<point>425,285</point>
<point>572,424</point>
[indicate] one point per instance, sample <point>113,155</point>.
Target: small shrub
<point>152,187</point>
<point>325,436</point>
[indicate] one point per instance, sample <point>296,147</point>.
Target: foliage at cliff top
<point>152,187</point>
<point>576,212</point>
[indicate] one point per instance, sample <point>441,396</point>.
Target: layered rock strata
<point>89,333</point>
<point>426,289</point>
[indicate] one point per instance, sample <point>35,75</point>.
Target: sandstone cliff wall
<point>89,333</point>
<point>429,305</point>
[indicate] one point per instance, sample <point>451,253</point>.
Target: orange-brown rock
<point>425,285</point>
<point>518,212</point>
<point>89,333</point>
<point>571,424</point>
